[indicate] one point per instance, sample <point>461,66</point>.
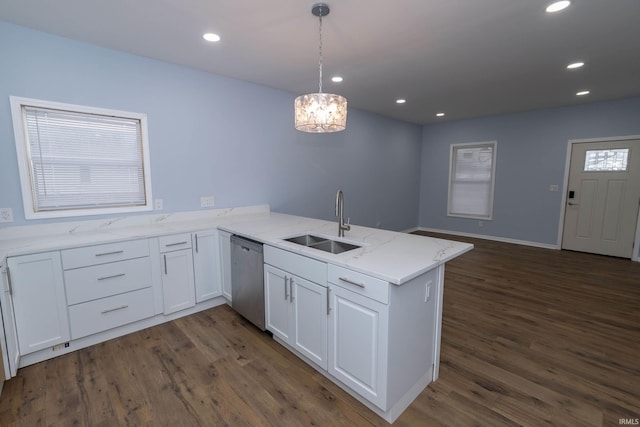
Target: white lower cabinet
<point>358,343</point>
<point>296,307</point>
<point>277,305</point>
<point>37,292</point>
<point>107,286</point>
<point>206,264</point>
<point>225,263</point>
<point>106,313</point>
<point>296,312</point>
<point>178,290</point>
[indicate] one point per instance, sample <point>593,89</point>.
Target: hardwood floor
<point>530,337</point>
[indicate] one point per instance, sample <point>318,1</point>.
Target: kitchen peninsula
<point>369,318</point>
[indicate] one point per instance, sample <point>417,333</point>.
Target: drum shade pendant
<point>320,112</point>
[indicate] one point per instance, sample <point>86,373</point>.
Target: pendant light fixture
<point>320,112</point>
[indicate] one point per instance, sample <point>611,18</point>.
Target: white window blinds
<point>77,160</point>
<point>83,160</point>
<point>471,179</point>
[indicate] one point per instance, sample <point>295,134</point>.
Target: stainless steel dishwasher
<point>247,279</point>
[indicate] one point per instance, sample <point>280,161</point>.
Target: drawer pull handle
<point>110,253</point>
<point>344,279</point>
<point>176,244</point>
<point>111,277</point>
<point>122,307</point>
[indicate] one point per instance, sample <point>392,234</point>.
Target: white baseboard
<point>485,237</point>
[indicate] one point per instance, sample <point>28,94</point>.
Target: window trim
<point>453,148</point>
<point>22,152</point>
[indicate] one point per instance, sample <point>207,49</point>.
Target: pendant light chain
<point>320,112</point>
<point>320,60</point>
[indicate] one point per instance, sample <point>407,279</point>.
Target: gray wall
<point>531,155</point>
<point>212,135</point>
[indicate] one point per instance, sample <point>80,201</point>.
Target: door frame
<point>635,256</point>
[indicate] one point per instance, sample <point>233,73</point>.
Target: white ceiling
<point>469,58</point>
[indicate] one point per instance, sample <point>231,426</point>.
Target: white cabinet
<point>277,305</point>
<point>107,286</point>
<point>39,304</point>
<point>178,288</point>
<point>296,312</point>
<point>206,264</point>
<point>358,343</point>
<point>309,313</point>
<point>383,338</point>
<point>225,263</point>
<point>296,308</point>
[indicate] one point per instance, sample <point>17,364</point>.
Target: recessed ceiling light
<point>439,114</point>
<point>575,65</point>
<point>583,93</point>
<point>558,6</point>
<point>400,101</point>
<point>336,79</point>
<point>211,37</point>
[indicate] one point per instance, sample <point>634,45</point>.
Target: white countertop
<point>390,256</point>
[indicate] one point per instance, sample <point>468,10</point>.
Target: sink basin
<point>306,239</point>
<point>322,243</point>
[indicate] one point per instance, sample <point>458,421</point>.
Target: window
<point>77,160</point>
<point>606,160</point>
<point>471,177</point>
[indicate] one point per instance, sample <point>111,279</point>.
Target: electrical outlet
<point>6,215</point>
<point>206,201</point>
<point>554,187</point>
<point>158,205</point>
<point>480,224</point>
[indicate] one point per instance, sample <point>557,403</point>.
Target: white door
<point>357,341</point>
<point>225,263</point>
<point>206,265</point>
<point>602,197</point>
<point>310,320</point>
<point>277,302</point>
<point>178,289</point>
<point>39,303</point>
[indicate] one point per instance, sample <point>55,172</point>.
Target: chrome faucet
<point>340,214</point>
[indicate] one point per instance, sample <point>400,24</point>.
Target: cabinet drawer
<point>106,313</point>
<point>174,242</point>
<point>102,254</point>
<point>307,268</point>
<point>99,281</point>
<point>360,283</point>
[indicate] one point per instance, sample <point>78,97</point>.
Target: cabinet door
<point>206,265</point>
<point>39,303</point>
<point>309,335</point>
<point>225,263</point>
<point>277,304</point>
<point>358,342</point>
<point>177,281</point>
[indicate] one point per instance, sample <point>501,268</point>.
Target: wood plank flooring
<point>530,337</point>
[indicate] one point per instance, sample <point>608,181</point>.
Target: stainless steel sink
<point>306,239</point>
<point>322,243</point>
